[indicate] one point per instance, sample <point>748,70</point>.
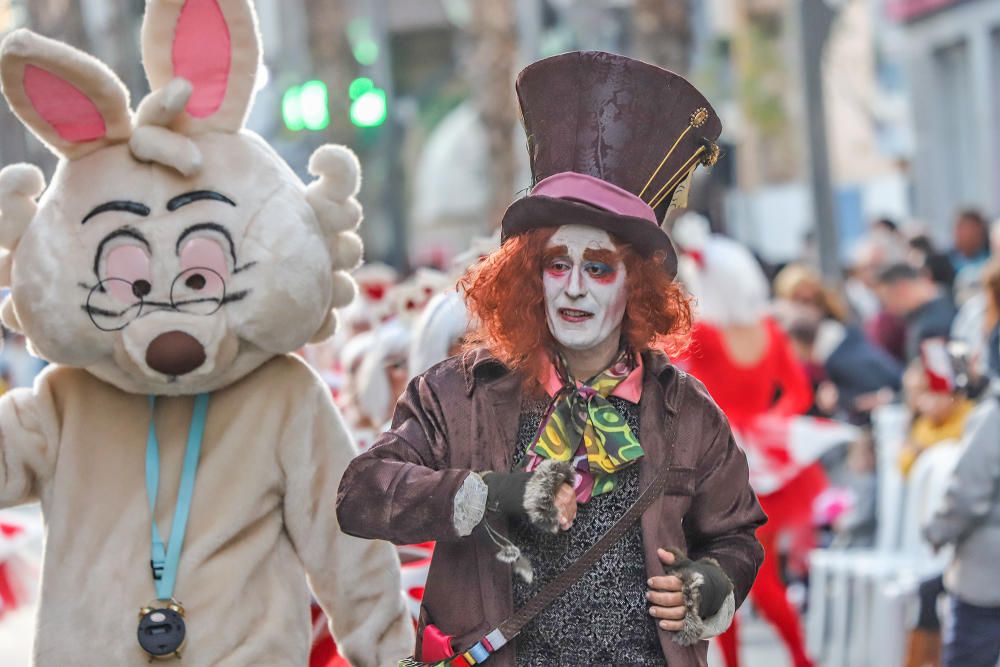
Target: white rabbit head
<point>174,251</point>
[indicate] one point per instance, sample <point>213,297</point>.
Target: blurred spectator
<point>880,248</point>
<point>886,226</point>
<point>865,376</point>
<point>991,318</point>
<point>802,336</point>
<point>939,413</point>
<point>976,325</point>
<point>909,293</point>
<point>860,295</point>
<point>802,286</point>
<point>936,264</point>
<point>855,528</point>
<point>970,519</point>
<point>944,373</point>
<point>877,251</point>
<point>971,253</point>
<point>972,248</point>
<point>846,369</point>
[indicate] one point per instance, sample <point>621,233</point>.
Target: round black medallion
<point>162,632</point>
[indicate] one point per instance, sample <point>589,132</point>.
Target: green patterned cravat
<point>582,419</point>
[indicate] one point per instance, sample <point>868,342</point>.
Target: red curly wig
<point>506,300</point>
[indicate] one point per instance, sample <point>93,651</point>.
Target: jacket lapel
<point>655,416</point>
<point>496,410</point>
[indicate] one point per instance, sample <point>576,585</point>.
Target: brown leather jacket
<point>463,415</point>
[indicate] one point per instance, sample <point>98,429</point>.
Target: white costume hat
<point>444,321</point>
<point>389,343</point>
<point>724,277</point>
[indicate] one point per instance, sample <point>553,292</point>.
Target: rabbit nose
<point>175,353</point>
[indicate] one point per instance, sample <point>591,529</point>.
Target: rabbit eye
<point>126,273</point>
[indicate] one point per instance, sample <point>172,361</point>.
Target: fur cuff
<point>540,493</point>
<point>469,505</point>
<point>716,625</point>
<point>695,627</point>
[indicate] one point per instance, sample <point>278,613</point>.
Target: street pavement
<point>760,646</point>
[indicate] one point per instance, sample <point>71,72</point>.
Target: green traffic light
<point>363,44</point>
<point>359,87</point>
<point>315,103</point>
<point>366,51</point>
<point>291,109</point>
<point>306,107</point>
<point>370,108</point>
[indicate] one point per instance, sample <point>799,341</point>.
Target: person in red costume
<point>748,365</point>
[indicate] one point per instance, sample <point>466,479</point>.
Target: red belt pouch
<point>435,646</point>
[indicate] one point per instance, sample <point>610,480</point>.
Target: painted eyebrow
<point>211,227</point>
<point>556,251</point>
<point>124,231</point>
<point>198,195</point>
<point>601,255</point>
<point>118,205</point>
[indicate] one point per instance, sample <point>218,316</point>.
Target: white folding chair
<point>857,576</point>
<point>828,624</point>
<point>892,583</point>
<point>892,606</point>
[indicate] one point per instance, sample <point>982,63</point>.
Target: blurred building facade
<point>750,62</point>
<point>953,58</point>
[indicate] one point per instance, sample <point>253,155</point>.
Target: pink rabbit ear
<point>71,101</point>
<point>213,44</point>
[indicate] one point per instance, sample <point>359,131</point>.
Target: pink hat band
<point>595,192</point>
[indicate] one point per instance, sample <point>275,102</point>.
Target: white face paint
<point>584,280</point>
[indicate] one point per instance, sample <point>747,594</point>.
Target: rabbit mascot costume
<point>186,464</point>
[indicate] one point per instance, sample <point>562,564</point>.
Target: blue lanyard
<point>164,560</point>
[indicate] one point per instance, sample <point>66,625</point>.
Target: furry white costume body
<point>175,254</point>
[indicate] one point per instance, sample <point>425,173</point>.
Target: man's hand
<point>565,503</point>
<point>666,597</point>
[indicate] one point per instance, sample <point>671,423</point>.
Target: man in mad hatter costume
<point>517,456</point>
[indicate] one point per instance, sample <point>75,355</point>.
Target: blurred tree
<point>766,92</point>
<point>662,33</point>
<point>491,69</point>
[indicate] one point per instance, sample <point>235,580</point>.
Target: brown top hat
<point>610,140</point>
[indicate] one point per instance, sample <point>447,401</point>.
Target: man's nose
<point>576,288</point>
